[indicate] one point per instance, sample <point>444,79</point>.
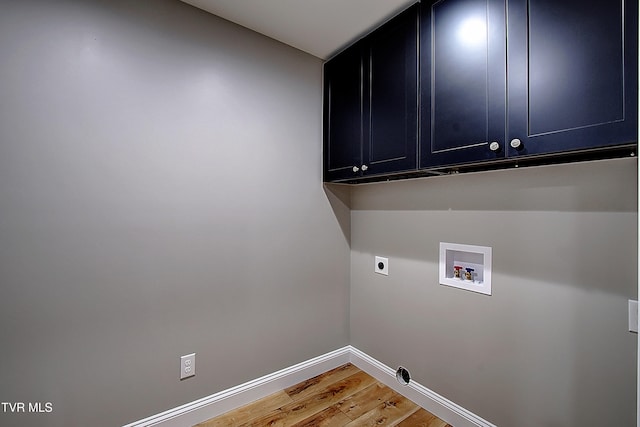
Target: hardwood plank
<point>307,388</point>
<point>345,396</point>
<point>389,413</point>
<point>250,411</point>
<point>365,400</point>
<point>423,418</point>
<point>300,410</point>
<point>330,417</point>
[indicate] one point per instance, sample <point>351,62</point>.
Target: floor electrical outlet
<point>382,265</point>
<point>187,366</point>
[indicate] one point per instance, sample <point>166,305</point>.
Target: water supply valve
<point>456,271</point>
<point>469,273</point>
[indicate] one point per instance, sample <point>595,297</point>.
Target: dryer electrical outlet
<point>381,265</point>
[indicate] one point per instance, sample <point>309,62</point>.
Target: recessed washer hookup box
<point>466,267</point>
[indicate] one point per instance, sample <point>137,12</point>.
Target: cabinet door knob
<point>517,144</point>
<point>494,146</point>
<point>364,167</point>
<point>355,169</point>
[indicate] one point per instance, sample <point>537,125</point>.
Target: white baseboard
<point>226,400</point>
<point>219,403</point>
<point>441,407</point>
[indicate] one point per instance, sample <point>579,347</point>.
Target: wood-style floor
<point>345,396</point>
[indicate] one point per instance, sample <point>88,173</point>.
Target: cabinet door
<point>343,115</point>
<point>391,130</point>
<point>572,74</point>
<point>463,78</point>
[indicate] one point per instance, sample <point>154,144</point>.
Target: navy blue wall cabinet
<point>565,80</point>
<point>500,82</point>
<point>343,132</point>
<point>371,103</point>
<point>573,75</point>
<point>463,81</point>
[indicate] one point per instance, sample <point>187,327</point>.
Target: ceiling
<point>318,27</point>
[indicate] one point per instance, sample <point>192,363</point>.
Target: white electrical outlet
<point>187,366</point>
<point>381,265</point>
<point>633,316</point>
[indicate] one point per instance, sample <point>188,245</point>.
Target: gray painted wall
<point>550,347</point>
<point>160,194</point>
